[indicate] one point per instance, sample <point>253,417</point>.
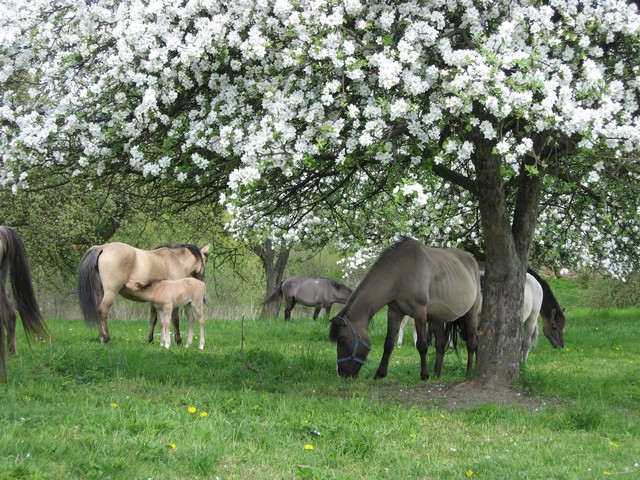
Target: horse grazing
<point>105,270</point>
<point>311,292</point>
<point>168,295</point>
<point>429,284</point>
<point>14,261</point>
<point>551,313</point>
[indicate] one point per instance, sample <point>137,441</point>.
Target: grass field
<point>263,401</point>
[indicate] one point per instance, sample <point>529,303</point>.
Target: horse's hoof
<point>379,375</point>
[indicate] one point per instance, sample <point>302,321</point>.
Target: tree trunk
<point>274,262</point>
<point>507,248</point>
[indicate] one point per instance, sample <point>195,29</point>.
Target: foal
<point>165,295</point>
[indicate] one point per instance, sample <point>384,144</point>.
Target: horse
<point>429,284</point>
<point>167,295</point>
<point>550,311</point>
<point>311,292</point>
<point>14,263</point>
<point>105,269</point>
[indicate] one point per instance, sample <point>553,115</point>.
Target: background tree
<point>464,117</point>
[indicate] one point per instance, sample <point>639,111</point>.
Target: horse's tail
<point>276,295</point>
<point>22,288</point>
<point>6,314</point>
<point>534,336</point>
<point>206,299</point>
<point>87,286</point>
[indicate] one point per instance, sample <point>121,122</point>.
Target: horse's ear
<point>205,251</point>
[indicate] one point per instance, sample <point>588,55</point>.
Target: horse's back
<point>533,294</point>
<point>308,291</point>
<point>447,280</point>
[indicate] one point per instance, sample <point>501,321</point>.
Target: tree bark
<point>274,262</point>
<point>507,246</point>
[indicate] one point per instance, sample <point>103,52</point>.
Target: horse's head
<point>353,345</point>
<point>553,328</point>
<point>201,262</point>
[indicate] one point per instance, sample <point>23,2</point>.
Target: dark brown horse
<point>429,284</point>
<point>14,261</point>
<point>105,269</point>
<point>311,292</point>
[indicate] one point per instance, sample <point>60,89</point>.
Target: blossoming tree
<point>511,125</point>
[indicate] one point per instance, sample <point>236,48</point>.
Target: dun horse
<point>14,263</point>
<point>311,292</point>
<point>167,295</point>
<point>429,284</point>
<point>105,270</point>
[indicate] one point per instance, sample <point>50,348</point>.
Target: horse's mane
<point>547,294</point>
<point>389,251</point>
<point>335,283</point>
<point>194,249</point>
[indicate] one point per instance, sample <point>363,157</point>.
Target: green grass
<point>275,408</point>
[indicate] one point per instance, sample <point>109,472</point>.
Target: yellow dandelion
<point>469,473</point>
<point>614,445</point>
<point>308,446</point>
<point>114,405</point>
<point>442,416</point>
<point>607,474</point>
<point>172,445</point>
<point>192,409</point>
<point>203,414</point>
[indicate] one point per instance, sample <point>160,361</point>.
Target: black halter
<point>358,340</point>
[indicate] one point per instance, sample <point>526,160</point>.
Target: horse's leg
<point>10,324</point>
<point>420,322</point>
<point>105,305</point>
<point>164,317</point>
<point>527,335</point>
<point>175,320</point>
<point>316,312</point>
<point>470,323</point>
<point>415,332</point>
<point>200,312</point>
<point>327,311</point>
<point>403,324</point>
<point>153,318</point>
<point>188,308</point>
<point>441,344</point>
<point>394,317</point>
<point>289,304</point>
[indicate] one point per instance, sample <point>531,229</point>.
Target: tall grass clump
<point>607,292</point>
